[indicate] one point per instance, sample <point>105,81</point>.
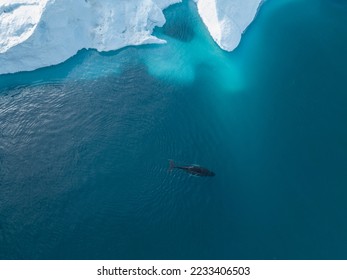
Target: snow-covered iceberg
<point>226,20</point>
<point>39,33</point>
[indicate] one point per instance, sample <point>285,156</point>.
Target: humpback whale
<point>195,170</point>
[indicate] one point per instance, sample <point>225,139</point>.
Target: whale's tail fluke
<point>171,165</point>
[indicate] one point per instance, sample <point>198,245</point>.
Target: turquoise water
<point>84,146</point>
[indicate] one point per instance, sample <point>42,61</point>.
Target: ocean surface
<point>84,146</point>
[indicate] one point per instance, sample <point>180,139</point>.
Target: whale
<point>194,170</point>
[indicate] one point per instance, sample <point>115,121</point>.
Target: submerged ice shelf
<point>39,33</point>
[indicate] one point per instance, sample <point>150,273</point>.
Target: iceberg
<point>226,20</point>
<point>40,33</point>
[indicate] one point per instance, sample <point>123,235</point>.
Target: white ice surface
<point>38,33</point>
<point>226,20</point>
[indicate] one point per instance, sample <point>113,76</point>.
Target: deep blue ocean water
<point>84,146</point>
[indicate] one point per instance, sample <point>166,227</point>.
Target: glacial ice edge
<point>40,33</point>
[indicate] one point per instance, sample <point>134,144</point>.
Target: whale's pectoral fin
<point>171,165</point>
